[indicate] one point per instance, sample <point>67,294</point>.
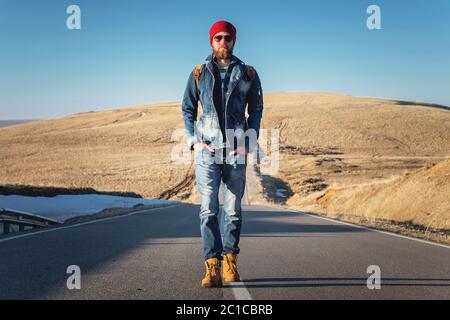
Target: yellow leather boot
<point>212,277</point>
<point>230,273</point>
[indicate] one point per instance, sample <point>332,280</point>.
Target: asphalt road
<point>156,254</point>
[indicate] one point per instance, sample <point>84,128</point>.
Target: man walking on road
<point>221,139</point>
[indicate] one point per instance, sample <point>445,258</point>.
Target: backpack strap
<point>197,71</point>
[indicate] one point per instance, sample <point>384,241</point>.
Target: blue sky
<point>134,52</point>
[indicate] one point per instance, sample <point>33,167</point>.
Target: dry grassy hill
<point>126,150</point>
<point>361,159</point>
<point>421,198</point>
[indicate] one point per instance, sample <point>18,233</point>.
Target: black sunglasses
<point>227,38</point>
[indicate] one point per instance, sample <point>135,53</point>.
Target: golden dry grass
<point>422,198</point>
<point>124,150</point>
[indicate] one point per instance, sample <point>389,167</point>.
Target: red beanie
<point>222,26</point>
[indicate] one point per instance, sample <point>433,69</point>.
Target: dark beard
<point>223,53</point>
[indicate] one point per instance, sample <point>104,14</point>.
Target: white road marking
<point>239,290</point>
<point>83,223</point>
<point>371,229</point>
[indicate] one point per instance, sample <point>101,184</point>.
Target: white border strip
<point>84,223</point>
<point>371,229</point>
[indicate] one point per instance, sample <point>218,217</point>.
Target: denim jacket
<point>241,91</point>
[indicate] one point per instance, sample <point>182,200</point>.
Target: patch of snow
<point>63,207</point>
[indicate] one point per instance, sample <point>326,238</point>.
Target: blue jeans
<point>210,170</point>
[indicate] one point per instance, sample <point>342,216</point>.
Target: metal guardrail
<point>23,219</point>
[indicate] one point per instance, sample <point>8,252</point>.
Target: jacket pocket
<point>208,130</point>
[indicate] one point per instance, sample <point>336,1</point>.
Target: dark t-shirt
<point>222,76</point>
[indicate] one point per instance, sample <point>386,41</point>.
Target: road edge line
<point>372,229</point>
